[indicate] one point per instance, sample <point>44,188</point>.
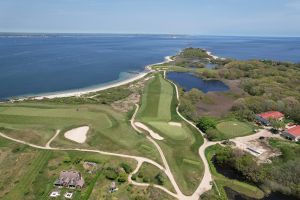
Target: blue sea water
<point>35,64</point>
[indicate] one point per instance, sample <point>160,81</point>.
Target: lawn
<point>109,130</point>
<point>158,107</point>
<point>233,128</point>
<point>221,181</point>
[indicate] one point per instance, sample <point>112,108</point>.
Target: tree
<point>277,124</point>
<point>160,178</point>
<point>110,174</point>
<point>126,167</point>
<point>122,177</point>
<point>206,123</point>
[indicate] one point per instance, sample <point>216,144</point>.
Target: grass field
<point>109,130</point>
<point>35,171</point>
<point>148,174</point>
<point>233,128</point>
<point>222,181</point>
<point>181,143</point>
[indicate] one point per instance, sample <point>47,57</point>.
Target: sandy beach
<point>214,56</point>
<point>83,91</point>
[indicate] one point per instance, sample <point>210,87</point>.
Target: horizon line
<point>172,34</point>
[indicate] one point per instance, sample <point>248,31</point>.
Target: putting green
<point>174,132</point>
<point>234,128</point>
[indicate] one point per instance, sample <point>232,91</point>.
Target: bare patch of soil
<point>220,102</point>
<point>127,104</point>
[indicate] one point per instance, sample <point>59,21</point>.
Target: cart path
<point>49,142</point>
<point>140,160</point>
<point>206,182</point>
<point>167,168</point>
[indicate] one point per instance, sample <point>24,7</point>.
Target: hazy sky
<point>201,17</point>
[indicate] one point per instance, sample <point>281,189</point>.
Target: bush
<point>160,178</point>
<point>213,134</point>
<point>133,177</point>
<point>126,167</point>
<point>146,180</point>
<point>140,175</point>
<point>205,123</point>
<point>122,178</point>
<point>111,174</point>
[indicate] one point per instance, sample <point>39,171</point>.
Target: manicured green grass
<point>174,132</point>
<point>109,130</point>
<point>180,143</point>
<point>222,181</point>
<point>148,174</point>
<point>234,128</point>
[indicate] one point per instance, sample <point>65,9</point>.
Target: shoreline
<point>214,56</point>
<point>82,91</point>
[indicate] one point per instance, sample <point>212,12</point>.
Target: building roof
<point>295,131</point>
<point>271,114</point>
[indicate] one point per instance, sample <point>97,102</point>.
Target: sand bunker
<point>175,124</point>
<point>77,134</point>
<point>152,133</point>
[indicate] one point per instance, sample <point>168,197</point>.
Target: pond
<point>189,81</point>
<point>210,66</point>
<point>227,171</point>
<point>233,195</point>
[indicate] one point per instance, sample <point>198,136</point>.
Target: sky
<point>194,17</point>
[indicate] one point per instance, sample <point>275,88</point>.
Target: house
<point>292,133</point>
<point>91,167</point>
<point>264,118</point>
<point>71,179</point>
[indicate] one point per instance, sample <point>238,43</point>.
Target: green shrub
<point>126,167</point>
<point>111,174</point>
<point>205,123</point>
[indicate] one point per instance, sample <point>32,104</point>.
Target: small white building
<point>55,194</point>
<point>68,195</point>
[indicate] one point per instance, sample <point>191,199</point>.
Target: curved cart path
<point>204,185</point>
<point>206,182</point>
<point>49,142</point>
<point>140,160</point>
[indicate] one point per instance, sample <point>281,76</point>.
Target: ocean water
<point>39,64</point>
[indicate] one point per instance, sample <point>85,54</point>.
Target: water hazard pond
<point>188,81</point>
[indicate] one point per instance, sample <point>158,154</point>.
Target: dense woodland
<point>283,175</point>
<point>267,85</point>
<point>270,85</point>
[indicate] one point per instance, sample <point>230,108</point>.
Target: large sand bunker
<point>77,134</point>
<point>175,124</point>
<point>152,133</point>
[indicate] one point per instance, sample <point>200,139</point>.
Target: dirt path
<point>55,135</point>
<point>205,184</point>
<point>153,134</point>
<point>140,160</point>
<point>167,168</point>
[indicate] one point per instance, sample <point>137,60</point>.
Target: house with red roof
<point>292,133</point>
<point>264,118</point>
